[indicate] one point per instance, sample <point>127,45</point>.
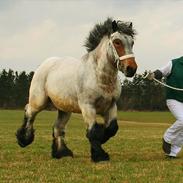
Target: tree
<point>22,88</point>
<point>141,94</point>
<point>6,88</point>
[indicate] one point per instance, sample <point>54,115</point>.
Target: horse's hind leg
<point>59,148</point>
<point>25,134</point>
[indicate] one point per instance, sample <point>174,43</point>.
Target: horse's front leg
<point>95,133</point>
<point>111,125</point>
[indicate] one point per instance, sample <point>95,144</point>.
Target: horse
<point>89,85</point>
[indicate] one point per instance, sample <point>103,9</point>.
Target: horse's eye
<point>117,42</point>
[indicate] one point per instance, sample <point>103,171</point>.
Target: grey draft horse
<point>89,86</point>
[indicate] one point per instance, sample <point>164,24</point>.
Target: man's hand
<point>150,75</point>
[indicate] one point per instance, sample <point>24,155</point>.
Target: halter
<point>117,57</point>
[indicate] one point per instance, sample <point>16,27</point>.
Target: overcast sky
<point>33,30</point>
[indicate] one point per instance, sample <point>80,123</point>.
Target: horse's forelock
<point>102,29</point>
<point>126,28</point>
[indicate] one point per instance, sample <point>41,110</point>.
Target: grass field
<point>135,152</point>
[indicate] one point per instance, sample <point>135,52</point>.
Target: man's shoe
<point>170,157</point>
<point>166,147</point>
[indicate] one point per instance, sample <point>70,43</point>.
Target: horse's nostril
<point>130,71</point>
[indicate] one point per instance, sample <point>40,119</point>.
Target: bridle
<point>116,56</point>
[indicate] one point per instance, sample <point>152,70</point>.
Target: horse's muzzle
<point>130,71</point>
<point>129,67</point>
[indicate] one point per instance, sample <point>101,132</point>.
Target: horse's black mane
<point>102,29</point>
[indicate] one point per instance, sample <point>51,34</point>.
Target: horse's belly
<point>66,105</point>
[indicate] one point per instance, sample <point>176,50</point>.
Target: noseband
<point>116,56</point>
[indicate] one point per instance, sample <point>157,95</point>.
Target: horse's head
<point>121,45</point>
<point>119,50</point>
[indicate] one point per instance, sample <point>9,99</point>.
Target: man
<point>173,137</point>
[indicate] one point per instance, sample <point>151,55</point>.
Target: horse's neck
<point>105,71</point>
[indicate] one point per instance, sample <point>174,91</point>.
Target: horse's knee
<point>110,131</point>
<point>96,133</point>
<point>25,136</point>
<point>31,111</point>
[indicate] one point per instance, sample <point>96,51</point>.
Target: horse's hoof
<point>102,157</point>
<point>25,137</point>
<point>99,156</point>
<point>62,152</point>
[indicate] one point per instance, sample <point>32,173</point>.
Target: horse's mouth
<point>130,72</point>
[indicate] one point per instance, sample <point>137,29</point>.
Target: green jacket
<point>175,79</point>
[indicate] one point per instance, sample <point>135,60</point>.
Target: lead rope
<point>164,84</point>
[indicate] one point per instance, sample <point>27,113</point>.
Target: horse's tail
<point>37,93</point>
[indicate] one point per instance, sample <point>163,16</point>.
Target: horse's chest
<point>107,82</point>
<point>103,104</point>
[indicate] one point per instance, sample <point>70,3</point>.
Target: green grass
<point>135,152</point>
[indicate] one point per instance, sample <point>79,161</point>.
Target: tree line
<point>142,94</point>
<point>14,88</point>
<point>137,94</point>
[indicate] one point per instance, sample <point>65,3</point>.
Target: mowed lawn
<point>135,152</point>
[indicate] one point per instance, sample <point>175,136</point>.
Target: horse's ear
<point>114,26</point>
<point>130,25</point>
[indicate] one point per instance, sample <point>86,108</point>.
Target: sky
<point>34,30</point>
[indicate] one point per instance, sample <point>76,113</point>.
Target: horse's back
<point>54,64</point>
